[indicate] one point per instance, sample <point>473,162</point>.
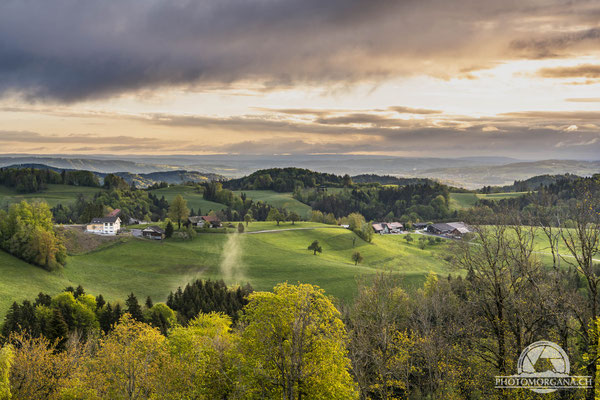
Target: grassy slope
<point>150,268</point>
<point>194,199</point>
<point>55,194</point>
<point>280,200</point>
<point>461,201</point>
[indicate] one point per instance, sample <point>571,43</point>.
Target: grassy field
<point>280,200</point>
<point>150,268</point>
<point>194,199</point>
<point>55,194</point>
<point>461,201</point>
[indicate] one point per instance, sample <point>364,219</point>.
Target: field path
<point>293,229</point>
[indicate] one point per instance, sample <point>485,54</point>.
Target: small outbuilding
<point>153,232</point>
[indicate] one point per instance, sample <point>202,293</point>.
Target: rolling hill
<point>150,268</point>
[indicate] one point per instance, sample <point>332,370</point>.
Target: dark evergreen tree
<point>169,230</point>
<point>133,308</point>
<point>149,303</point>
<point>100,302</point>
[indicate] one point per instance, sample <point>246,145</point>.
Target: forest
<point>286,180</point>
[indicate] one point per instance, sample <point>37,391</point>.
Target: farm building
<point>449,229</point>
<point>387,227</point>
<point>153,232</point>
<point>104,226</point>
<point>205,220</point>
<point>420,225</point>
<point>196,221</point>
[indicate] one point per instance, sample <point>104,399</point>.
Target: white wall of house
<point>106,228</point>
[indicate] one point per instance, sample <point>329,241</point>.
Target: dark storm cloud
<point>579,71</point>
<point>523,134</point>
<point>409,110</point>
<point>68,50</point>
<point>556,44</point>
<point>34,137</point>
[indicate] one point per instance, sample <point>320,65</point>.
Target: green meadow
<point>151,268</point>
<point>462,201</point>
<point>279,200</point>
<point>55,194</point>
<point>194,198</point>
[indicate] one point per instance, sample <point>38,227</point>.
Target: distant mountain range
<point>500,175</point>
<point>468,172</point>
<point>141,180</point>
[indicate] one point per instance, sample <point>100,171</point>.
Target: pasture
<point>279,200</point>
<point>55,194</point>
<point>150,268</point>
<point>462,201</point>
<point>193,197</point>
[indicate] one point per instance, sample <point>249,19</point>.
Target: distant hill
<point>390,180</point>
<point>283,180</point>
<point>500,175</point>
<point>141,180</point>
<point>85,164</point>
<point>171,177</point>
<point>535,183</point>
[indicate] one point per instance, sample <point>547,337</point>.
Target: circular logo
<point>543,359</point>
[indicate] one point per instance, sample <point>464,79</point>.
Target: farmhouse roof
<point>210,218</point>
<point>195,219</point>
<point>105,220</point>
<point>443,227</point>
<point>451,226</point>
<point>155,229</point>
<point>377,227</point>
<point>460,226</point>
<point>395,225</point>
<point>114,213</point>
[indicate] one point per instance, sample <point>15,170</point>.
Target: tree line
<point>27,232</point>
<point>32,180</point>
<point>289,344</point>
<point>286,180</point>
<point>421,202</point>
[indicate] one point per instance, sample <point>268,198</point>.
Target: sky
<point>418,78</point>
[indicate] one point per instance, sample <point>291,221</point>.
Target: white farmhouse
<point>104,226</point>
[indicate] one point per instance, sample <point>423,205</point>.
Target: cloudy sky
<point>447,78</point>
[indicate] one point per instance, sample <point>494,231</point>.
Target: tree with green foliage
<point>27,232</point>
<point>207,296</point>
<point>293,346</point>
<point>293,217</point>
<point>160,316</point>
<point>408,238</point>
<point>112,181</point>
<point>315,247</point>
<point>6,359</point>
<point>422,242</point>
<point>357,257</point>
<point>248,217</point>
<point>206,351</point>
<point>329,219</point>
<point>169,230</point>
<point>316,216</point>
<point>275,215</point>
<point>366,232</point>
<point>133,308</point>
<point>240,228</point>
<point>149,303</point>
<point>178,210</point>
<point>133,362</point>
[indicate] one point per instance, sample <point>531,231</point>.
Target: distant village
<point>110,225</point>
<point>445,229</point>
